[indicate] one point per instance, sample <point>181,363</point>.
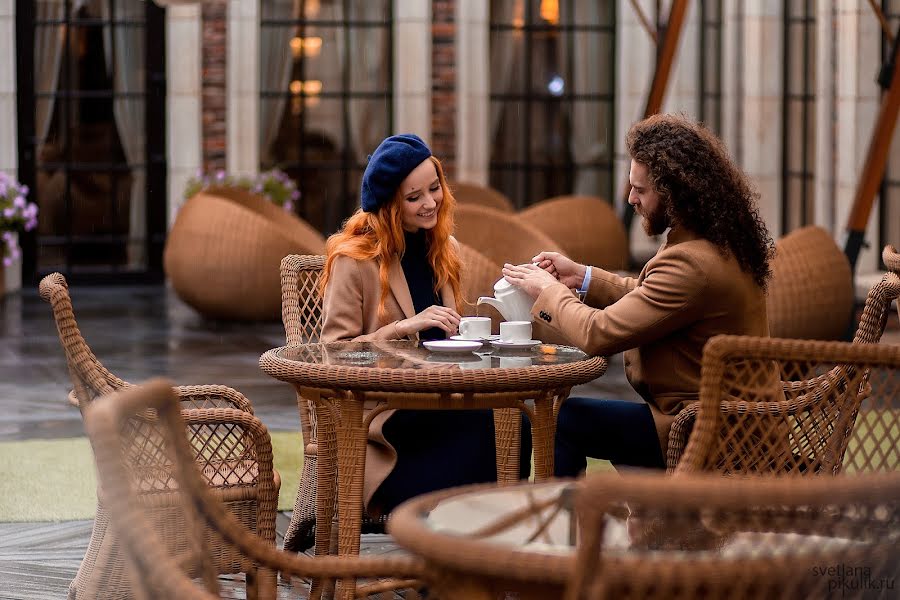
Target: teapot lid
<point>502,284</point>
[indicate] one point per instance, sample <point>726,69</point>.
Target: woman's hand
<point>433,316</point>
<point>563,268</point>
<point>530,278</point>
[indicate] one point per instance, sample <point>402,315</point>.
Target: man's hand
<point>563,268</point>
<point>433,316</point>
<point>530,278</point>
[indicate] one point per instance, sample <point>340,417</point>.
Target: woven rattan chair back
<point>301,302</point>
<point>796,406</point>
<point>472,193</point>
<point>705,536</point>
<point>587,228</point>
<point>89,377</point>
<point>869,331</point>
<point>145,421</point>
<point>500,236</point>
<point>891,259</point>
<point>811,291</point>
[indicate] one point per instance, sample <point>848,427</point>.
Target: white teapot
<point>512,302</point>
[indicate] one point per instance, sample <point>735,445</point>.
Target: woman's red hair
<point>379,235</point>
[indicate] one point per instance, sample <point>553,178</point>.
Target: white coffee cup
<point>475,328</point>
<point>515,331</point>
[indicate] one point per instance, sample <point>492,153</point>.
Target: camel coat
<point>351,313</point>
<point>686,294</point>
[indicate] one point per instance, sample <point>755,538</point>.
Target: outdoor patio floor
<point>137,332</point>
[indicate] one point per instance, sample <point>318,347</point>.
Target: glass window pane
<point>371,11</point>
<point>507,62</point>
<point>507,118</point>
<point>370,67</point>
<point>592,62</point>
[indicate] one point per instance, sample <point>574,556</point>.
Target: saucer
<point>460,338</point>
<point>517,345</point>
<point>452,345</point>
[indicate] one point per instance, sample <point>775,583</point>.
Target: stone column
<point>242,85</point>
<point>9,150</point>
<point>858,99</point>
<point>184,151</point>
<point>473,60</point>
<point>412,68</point>
<point>760,127</point>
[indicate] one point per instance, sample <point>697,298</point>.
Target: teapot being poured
<point>512,302</point>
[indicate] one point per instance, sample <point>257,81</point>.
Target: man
<point>709,278</point>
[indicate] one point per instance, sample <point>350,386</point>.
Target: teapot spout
<point>492,302</point>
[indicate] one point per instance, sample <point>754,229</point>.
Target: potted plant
<point>16,214</point>
<point>275,186</point>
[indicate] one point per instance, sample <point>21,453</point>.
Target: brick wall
<point>213,14</point>
<point>443,83</point>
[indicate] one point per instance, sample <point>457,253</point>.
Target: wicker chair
<point>586,227</point>
<point>891,258</point>
<point>704,536</point>
<point>472,193</point>
<point>301,312</point>
<point>811,292</point>
<point>870,329</point>
<point>145,421</point>
<point>501,237</point>
<point>252,497</point>
<point>223,251</point>
<point>796,406</point>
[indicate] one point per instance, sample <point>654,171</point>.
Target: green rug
<point>54,480</point>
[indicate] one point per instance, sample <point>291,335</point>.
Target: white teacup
<point>515,331</point>
<point>475,328</point>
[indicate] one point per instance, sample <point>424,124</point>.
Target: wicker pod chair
<point>833,412</point>
<point>244,479</point>
<point>473,193</point>
<point>223,251</point>
<point>586,227</point>
<point>891,259</point>
<point>871,328</point>
<point>706,536</point>
<point>811,291</point>
<point>161,568</point>
<point>500,236</point>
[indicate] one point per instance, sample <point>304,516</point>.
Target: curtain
<point>586,143</point>
<point>48,50</point>
<point>368,70</point>
<point>505,58</point>
<point>276,64</point>
<point>124,50</point>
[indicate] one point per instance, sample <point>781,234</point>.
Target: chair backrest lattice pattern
<point>301,300</point>
<point>792,406</point>
<point>756,537</point>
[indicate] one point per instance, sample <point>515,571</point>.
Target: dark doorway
<point>91,118</point>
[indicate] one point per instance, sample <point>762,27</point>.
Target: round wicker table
<point>482,541</point>
<point>352,382</point>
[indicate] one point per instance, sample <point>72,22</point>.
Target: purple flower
<point>30,224</point>
<point>7,237</point>
<point>9,212</point>
<point>295,195</point>
<point>7,261</point>
<point>220,176</point>
<point>23,189</point>
<point>30,211</point>
<point>288,206</point>
<point>19,202</point>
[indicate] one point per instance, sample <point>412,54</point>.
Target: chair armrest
<point>679,435</point>
<point>212,396</point>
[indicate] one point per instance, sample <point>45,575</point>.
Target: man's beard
<point>656,222</point>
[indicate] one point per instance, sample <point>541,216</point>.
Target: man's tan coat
<point>686,294</point>
<point>351,313</point>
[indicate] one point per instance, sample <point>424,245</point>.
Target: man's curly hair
<point>702,189</point>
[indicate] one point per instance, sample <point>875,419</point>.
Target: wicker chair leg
<point>301,532</point>
<point>508,441</point>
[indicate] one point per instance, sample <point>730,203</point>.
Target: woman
<point>392,273</point>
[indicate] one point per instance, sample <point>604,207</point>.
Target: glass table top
<point>412,355</point>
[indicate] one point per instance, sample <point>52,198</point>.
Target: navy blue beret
<point>392,161</point>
